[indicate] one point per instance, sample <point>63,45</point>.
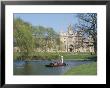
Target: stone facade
<point>72,41</point>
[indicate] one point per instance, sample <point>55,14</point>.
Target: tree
<point>23,38</point>
<point>46,38</point>
<point>88,23</point>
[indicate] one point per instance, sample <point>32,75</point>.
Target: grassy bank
<point>55,55</point>
<point>85,69</point>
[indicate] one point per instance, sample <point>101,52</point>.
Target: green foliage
<point>85,69</point>
<point>46,38</point>
<point>34,38</point>
<point>23,38</point>
<point>56,55</point>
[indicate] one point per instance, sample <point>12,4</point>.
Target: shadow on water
<point>38,67</point>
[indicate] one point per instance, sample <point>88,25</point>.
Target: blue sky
<point>58,21</point>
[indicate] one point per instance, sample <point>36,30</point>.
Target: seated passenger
<point>55,63</point>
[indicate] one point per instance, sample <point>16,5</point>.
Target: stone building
<point>72,41</point>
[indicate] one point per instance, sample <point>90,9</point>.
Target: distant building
<point>72,41</point>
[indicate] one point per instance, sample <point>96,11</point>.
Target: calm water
<point>38,67</point>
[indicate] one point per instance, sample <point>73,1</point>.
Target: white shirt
<point>61,59</point>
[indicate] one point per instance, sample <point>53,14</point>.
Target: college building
<point>74,41</point>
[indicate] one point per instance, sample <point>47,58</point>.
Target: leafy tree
<point>45,37</point>
<point>23,37</point>
<point>88,23</point>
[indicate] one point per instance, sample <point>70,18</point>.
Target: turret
<point>70,29</point>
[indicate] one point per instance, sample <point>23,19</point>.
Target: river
<point>38,67</point>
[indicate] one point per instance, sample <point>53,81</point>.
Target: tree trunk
<point>95,45</point>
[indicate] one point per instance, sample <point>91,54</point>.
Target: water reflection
<point>38,67</point>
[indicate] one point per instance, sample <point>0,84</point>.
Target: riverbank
<point>56,55</point>
<point>85,69</point>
